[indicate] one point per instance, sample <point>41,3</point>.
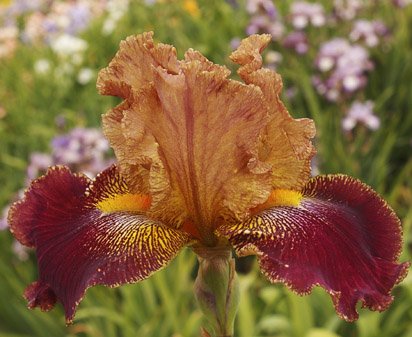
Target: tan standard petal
<point>286,142</point>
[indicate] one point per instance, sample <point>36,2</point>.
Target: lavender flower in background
<point>297,41</point>
<point>79,16</point>
<point>261,6</point>
<point>3,220</point>
<point>347,9</point>
<point>235,43</point>
<point>39,162</point>
<point>82,150</point>
<point>361,112</point>
<point>368,31</point>
<point>343,69</point>
<point>20,7</point>
<point>303,13</point>
<point>264,19</point>
<point>43,21</point>
<point>402,3</point>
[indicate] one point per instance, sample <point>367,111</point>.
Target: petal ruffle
<point>342,236</point>
<point>131,67</point>
<point>87,233</point>
<point>285,143</point>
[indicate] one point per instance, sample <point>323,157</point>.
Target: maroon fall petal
<point>40,295</point>
<point>342,236</point>
<point>80,242</point>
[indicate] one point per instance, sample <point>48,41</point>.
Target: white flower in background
<point>22,252</point>
<point>64,70</point>
<point>273,57</point>
<point>8,40</point>
<point>66,46</point>
<point>8,32</point>
<point>116,9</point>
<point>85,75</point>
<point>34,30</point>
<point>108,26</point>
<point>42,67</point>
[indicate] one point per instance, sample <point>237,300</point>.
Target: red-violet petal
<point>87,233</point>
<point>342,236</point>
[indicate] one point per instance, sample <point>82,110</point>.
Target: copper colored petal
<point>285,142</point>
<point>192,136</point>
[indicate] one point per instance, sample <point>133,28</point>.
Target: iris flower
<point>211,163</point>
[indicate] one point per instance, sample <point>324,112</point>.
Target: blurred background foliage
<point>345,63</point>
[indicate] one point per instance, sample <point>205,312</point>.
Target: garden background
<point>346,64</point>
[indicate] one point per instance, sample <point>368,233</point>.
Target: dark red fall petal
<point>343,236</point>
<point>78,245</point>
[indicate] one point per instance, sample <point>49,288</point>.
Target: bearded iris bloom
<point>211,163</point>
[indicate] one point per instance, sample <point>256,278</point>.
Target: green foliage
<point>164,305</point>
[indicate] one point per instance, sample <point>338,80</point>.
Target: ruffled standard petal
<point>87,233</point>
<point>341,236</point>
<point>131,69</point>
<point>285,143</point>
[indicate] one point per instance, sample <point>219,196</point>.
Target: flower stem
<point>217,289</point>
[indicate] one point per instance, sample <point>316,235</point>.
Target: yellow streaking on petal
<point>125,202</point>
<point>280,197</point>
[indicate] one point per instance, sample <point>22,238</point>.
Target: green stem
<point>217,289</point>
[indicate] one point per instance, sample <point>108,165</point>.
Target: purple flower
<point>304,13</point>
<point>346,9</point>
<point>261,6</point>
<point>79,16</point>
<point>343,67</point>
<point>234,43</point>
<point>297,41</point>
<point>3,219</point>
<point>81,148</point>
<point>401,3</point>
<point>264,19</point>
<point>19,7</point>
<point>39,162</point>
<point>368,31</point>
<point>361,113</point>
